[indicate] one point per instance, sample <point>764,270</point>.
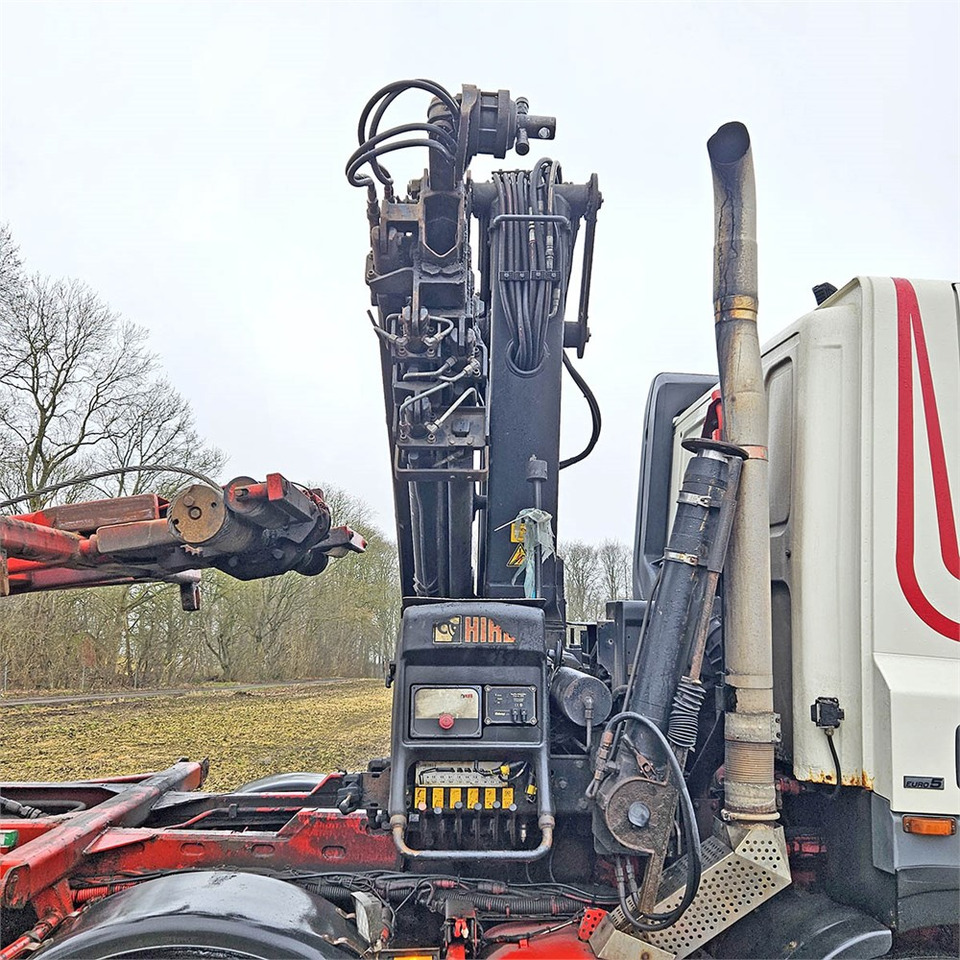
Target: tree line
<point>80,393</point>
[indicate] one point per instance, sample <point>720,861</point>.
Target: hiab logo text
<point>470,630</point>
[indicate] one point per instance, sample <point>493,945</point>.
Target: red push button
<point>446,721</point>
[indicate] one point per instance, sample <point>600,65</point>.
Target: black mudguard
<point>209,914</point>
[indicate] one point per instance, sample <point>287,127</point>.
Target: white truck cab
<point>864,450</point>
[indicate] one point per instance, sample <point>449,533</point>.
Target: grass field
<point>245,735</point>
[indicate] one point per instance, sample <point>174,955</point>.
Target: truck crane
<point>757,755</point>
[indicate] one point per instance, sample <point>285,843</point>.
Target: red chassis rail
<point>108,840</point>
<point>59,863</point>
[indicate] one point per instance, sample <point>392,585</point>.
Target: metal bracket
<point>743,866</point>
<point>564,222</point>
<point>691,559</point>
<point>696,500</point>
<point>529,275</point>
<point>752,727</point>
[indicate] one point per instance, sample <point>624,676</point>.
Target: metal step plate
<point>742,867</point>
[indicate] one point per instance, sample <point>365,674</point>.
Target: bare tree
<point>158,429</point>
<point>593,575</point>
<point>616,576</point>
<point>80,392</point>
<point>11,269</point>
<point>69,368</point>
<point>580,574</point>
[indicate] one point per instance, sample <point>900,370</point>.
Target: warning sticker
<point>518,531</point>
<point>519,557</point>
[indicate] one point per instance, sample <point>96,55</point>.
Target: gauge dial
<point>446,712</point>
<point>460,702</point>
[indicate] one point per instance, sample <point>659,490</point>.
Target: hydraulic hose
<point>595,419</point>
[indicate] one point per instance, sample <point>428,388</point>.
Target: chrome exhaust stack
<point>752,728</point>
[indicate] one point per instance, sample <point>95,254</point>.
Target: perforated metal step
<point>742,867</point>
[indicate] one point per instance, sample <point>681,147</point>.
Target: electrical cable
<point>594,414</point>
<point>836,762</point>
<point>449,882</point>
<point>653,922</point>
<point>115,472</point>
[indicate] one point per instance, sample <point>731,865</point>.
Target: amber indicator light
<point>930,826</point>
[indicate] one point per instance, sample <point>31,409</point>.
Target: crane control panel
<point>470,726</point>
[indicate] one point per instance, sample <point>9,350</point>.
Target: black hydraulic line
<point>444,138</point>
<point>393,90</point>
<point>526,243</point>
<point>594,414</point>
<point>388,95</point>
<point>356,164</point>
<point>19,809</point>
<point>114,472</point>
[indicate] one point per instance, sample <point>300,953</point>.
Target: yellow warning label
<point>456,796</point>
<point>518,558</point>
<point>518,531</point>
<point>437,797</point>
<point>489,798</point>
<point>473,797</point>
<point>420,797</point>
<point>507,796</point>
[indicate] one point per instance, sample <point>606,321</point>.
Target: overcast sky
<point>186,161</point>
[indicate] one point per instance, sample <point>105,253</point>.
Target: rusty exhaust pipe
<point>751,728</point>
